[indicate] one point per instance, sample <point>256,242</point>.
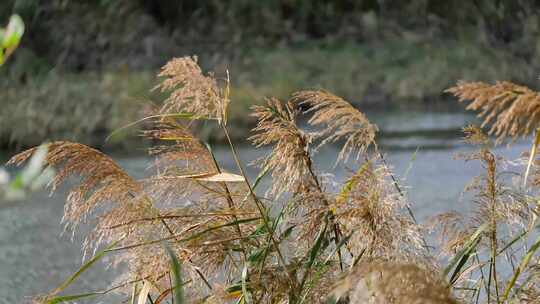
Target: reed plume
<point>371,210</point>
<point>500,213</point>
<point>176,150</point>
<point>105,197</point>
<point>511,110</point>
<point>191,91</point>
<point>384,281</point>
<point>340,120</point>
<point>289,160</point>
<point>103,182</point>
<point>293,244</point>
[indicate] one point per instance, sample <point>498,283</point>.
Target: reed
<point>223,240</point>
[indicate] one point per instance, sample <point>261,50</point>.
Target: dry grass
<point>303,240</point>
<point>191,91</point>
<point>382,281</point>
<point>509,109</point>
<point>341,121</point>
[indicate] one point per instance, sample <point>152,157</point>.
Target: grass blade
<point>245,294</point>
<point>145,291</point>
<point>219,177</point>
<point>180,115</point>
<point>196,235</point>
<point>460,259</point>
<point>522,266</point>
<point>64,299</point>
<point>313,253</point>
<point>531,157</point>
<point>342,242</point>
<point>176,269</point>
<point>83,268</point>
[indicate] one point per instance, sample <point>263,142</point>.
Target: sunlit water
<point>35,257</point>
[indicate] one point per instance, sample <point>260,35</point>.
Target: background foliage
<point>374,52</point>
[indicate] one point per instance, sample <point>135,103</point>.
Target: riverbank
<point>390,74</point>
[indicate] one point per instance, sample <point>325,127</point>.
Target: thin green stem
<point>259,205</point>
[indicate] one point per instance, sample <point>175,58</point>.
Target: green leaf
<point>338,246</point>
<point>460,259</point>
<point>179,115</point>
<point>32,177</point>
<point>314,252</point>
<point>256,255</point>
<point>233,223</point>
<point>176,269</point>
<point>287,232</point>
<point>351,183</point>
<point>13,33</point>
<point>196,235</point>
<point>522,266</point>
<point>35,166</point>
<point>83,268</point>
<point>64,299</point>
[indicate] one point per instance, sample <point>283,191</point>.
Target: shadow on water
<point>35,256</point>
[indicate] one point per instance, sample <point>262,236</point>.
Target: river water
<point>35,256</point>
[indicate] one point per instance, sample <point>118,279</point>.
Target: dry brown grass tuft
<point>289,160</point>
<point>341,121</point>
<point>500,213</point>
<point>383,281</point>
<point>105,190</point>
<point>191,91</point>
<point>294,244</point>
<point>371,210</point>
<point>511,109</point>
<point>177,150</point>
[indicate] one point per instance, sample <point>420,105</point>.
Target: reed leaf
<point>99,255</point>
<point>70,298</point>
<point>145,291</point>
<point>314,252</point>
<point>179,115</point>
<point>218,177</point>
<point>460,259</point>
<point>177,284</point>
<point>534,146</point>
<point>246,296</point>
<point>522,267</point>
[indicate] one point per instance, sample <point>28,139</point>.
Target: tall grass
<point>305,240</point>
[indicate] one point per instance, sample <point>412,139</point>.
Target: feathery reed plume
<point>341,120</point>
<point>191,91</point>
<point>288,161</point>
<point>511,109</point>
<point>502,211</point>
<point>107,195</point>
<point>177,150</point>
<point>371,210</point>
<point>103,182</point>
<point>383,281</point>
<point>291,165</point>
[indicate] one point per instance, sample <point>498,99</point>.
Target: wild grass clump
<point>304,240</point>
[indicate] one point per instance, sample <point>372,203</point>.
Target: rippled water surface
<point>35,257</point>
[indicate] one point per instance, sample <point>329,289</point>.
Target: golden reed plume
<point>341,121</point>
<point>511,109</point>
<point>383,281</point>
<point>191,91</point>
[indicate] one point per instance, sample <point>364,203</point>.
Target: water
<point>35,257</point>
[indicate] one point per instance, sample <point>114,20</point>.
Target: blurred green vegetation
<point>84,66</point>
